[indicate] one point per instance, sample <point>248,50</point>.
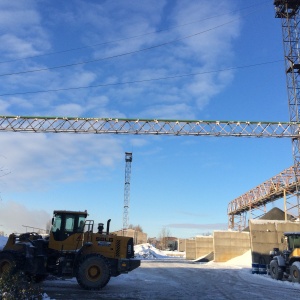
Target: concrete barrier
<point>204,245</point>
<point>198,247</point>
<point>181,245</point>
<point>190,252</point>
<point>230,244</point>
<point>266,235</point>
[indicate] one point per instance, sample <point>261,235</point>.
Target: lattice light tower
<point>128,160</point>
<point>288,12</point>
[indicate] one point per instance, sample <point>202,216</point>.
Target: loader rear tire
<point>38,278</point>
<point>276,272</point>
<point>93,272</point>
<point>295,272</point>
<point>7,263</point>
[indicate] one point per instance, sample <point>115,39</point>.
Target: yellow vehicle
<point>71,250</point>
<point>287,262</point>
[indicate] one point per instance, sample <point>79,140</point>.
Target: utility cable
<point>131,37</point>
<point>123,54</point>
<point>143,80</point>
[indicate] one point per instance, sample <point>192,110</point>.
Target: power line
<point>131,37</point>
<point>144,80</point>
<point>123,54</point>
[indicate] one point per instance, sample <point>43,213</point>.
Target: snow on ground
<point>147,251</point>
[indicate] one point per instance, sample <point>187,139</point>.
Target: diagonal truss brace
<point>269,191</point>
<point>149,127</point>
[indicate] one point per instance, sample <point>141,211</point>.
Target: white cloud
<point>38,160</point>
<point>21,29</point>
<point>213,47</point>
<point>178,111</point>
<point>79,79</point>
<point>13,215</point>
<point>68,110</point>
<point>18,47</point>
<point>185,97</point>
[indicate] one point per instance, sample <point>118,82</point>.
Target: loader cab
<point>66,223</point>
<point>293,240</point>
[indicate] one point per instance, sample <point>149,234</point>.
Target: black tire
<point>93,272</point>
<point>295,272</point>
<point>39,278</point>
<point>276,272</point>
<point>7,263</point>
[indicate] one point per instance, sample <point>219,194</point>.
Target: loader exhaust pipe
<point>107,226</point>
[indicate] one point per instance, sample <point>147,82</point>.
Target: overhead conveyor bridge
<point>277,187</point>
<point>149,127</point>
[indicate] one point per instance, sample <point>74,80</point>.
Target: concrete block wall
<point>204,245</point>
<point>198,247</point>
<point>230,244</point>
<point>266,235</point>
<point>190,251</point>
<point>181,245</point>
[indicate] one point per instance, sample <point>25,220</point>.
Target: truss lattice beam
<point>288,11</point>
<point>269,191</point>
<point>146,126</point>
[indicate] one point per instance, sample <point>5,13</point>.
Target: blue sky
<point>182,183</point>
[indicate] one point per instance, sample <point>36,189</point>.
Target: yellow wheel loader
<point>71,250</point>
<point>287,262</point>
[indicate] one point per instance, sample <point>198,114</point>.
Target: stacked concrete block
<point>181,245</point>
<point>268,234</point>
<point>204,245</point>
<point>230,244</point>
<point>190,252</point>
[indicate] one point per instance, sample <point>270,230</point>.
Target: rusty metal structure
<point>254,202</point>
<point>287,182</point>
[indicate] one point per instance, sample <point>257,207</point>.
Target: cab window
<point>56,224</point>
<point>294,242</point>
<point>69,224</point>
<point>81,223</point>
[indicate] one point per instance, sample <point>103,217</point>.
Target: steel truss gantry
<point>128,160</point>
<point>150,127</point>
<point>288,12</point>
<point>254,201</point>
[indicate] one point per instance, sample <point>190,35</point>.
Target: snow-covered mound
<point>147,251</point>
<point>3,241</point>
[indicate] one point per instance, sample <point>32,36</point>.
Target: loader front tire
<point>93,272</point>
<point>295,272</point>
<point>276,272</point>
<point>7,263</point>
